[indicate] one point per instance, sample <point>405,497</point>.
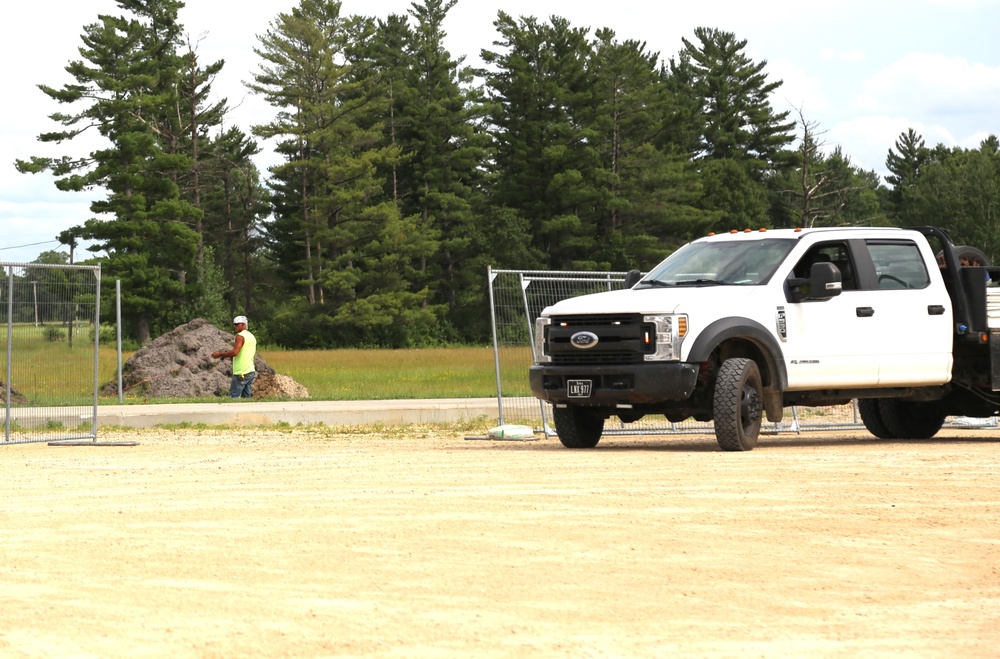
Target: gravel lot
<point>413,541</point>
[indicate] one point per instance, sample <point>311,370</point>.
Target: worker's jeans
<point>242,385</point>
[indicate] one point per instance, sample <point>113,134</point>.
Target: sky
<point>861,71</point>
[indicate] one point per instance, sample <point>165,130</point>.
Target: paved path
<point>331,413</point>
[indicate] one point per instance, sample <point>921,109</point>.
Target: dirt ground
<point>416,542</point>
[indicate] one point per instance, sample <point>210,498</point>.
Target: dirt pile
<point>278,386</point>
<point>16,398</point>
<point>179,364</point>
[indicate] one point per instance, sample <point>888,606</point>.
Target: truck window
<point>898,265</point>
<point>836,253</point>
<point>734,261</point>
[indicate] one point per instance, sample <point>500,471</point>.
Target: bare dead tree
<point>819,198</point>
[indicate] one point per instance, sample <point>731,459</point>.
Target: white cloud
<point>872,136</point>
<point>963,4</point>
<point>31,226</point>
<point>946,100</point>
<point>799,90</point>
<point>975,140</point>
<point>867,140</point>
<point>934,85</point>
<point>832,55</point>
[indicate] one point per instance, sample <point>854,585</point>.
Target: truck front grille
<point>622,339</point>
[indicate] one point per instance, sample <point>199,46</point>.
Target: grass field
<point>389,374</point>
<point>48,371</point>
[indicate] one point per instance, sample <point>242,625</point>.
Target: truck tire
<point>907,420</point>
<point>737,404</point>
<point>973,255</point>
<point>872,418</point>
<point>577,427</point>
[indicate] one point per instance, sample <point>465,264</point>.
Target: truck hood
<point>652,300</point>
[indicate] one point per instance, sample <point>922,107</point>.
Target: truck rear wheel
<point>908,420</point>
<point>577,427</point>
<point>871,416</point>
<point>737,403</point>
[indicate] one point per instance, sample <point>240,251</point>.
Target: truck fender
<point>743,328</point>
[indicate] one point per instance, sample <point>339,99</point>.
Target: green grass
<point>389,374</point>
<point>48,370</point>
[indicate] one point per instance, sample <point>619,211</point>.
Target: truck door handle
<point>865,312</point>
<point>935,309</point>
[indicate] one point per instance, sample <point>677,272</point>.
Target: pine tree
<point>235,203</point>
<point>542,100</point>
<point>959,190</point>
<point>652,189</point>
<point>194,118</point>
<point>442,152</point>
<point>356,250</point>
<point>127,81</point>
<point>905,166</point>
<point>326,172</point>
<point>734,118</point>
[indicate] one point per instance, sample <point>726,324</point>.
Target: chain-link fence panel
<point>517,299</point>
<point>49,369</point>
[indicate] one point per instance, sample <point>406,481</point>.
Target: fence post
<point>118,336</point>
<point>496,345</point>
<point>531,341</point>
<point>97,345</point>
<point>10,351</point>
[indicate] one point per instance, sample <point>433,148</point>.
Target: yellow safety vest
<point>243,361</point>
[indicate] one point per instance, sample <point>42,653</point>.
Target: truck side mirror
<point>824,283</point>
<point>632,278</point>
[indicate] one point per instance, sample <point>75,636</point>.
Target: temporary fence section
<point>517,297</point>
<point>51,334</point>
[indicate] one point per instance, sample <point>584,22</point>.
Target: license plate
<point>579,388</point>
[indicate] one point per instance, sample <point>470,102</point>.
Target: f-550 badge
<point>779,320</point>
<point>584,340</point>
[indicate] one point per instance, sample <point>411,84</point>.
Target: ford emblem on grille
<point>584,340</point>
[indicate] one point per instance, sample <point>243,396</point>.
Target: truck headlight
<point>666,335</point>
<point>541,334</point>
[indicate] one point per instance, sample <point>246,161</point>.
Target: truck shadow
<point>800,442</point>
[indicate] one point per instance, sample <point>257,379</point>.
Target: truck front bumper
<point>634,384</point>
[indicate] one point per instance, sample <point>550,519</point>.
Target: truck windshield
<point>721,262</point>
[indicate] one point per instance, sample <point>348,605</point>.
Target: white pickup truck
<point>734,327</point>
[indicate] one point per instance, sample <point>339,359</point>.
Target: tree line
<point>404,172</point>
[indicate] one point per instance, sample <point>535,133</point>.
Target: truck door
<point>831,343</point>
<point>913,314</point>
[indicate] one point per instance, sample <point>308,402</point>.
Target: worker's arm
<point>231,353</point>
